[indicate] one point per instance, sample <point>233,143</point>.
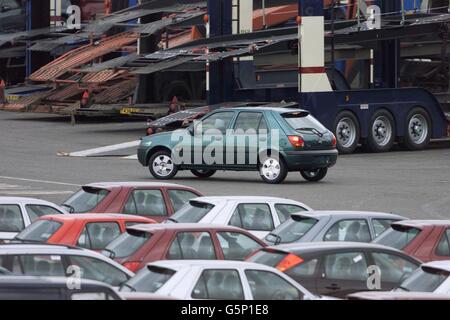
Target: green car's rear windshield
<point>302,121</point>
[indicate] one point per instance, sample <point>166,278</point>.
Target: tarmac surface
<point>414,184</point>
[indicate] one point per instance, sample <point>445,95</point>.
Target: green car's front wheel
<point>203,173</point>
<point>161,165</point>
<point>314,175</point>
<point>273,169</point>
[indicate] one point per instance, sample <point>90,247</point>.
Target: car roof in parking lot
<point>242,199</point>
<point>181,264</point>
<point>22,200</point>
<point>108,185</point>
<point>348,214</point>
<point>268,108</point>
<point>95,217</point>
<point>307,247</point>
<point>182,226</point>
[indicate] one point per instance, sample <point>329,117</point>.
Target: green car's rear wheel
<point>314,175</point>
<point>273,169</point>
<point>162,166</point>
<point>203,173</point>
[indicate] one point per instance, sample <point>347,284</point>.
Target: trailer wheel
<point>381,132</point>
<point>417,129</point>
<point>347,132</point>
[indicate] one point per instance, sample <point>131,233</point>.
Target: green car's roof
<point>275,109</point>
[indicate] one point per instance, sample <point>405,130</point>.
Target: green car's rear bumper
<point>313,159</point>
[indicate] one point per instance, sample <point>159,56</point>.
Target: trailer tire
<point>347,132</point>
<point>381,131</point>
<point>417,129</point>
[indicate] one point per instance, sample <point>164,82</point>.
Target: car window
<point>443,248</point>
<point>86,199</point>
<point>284,211</point>
<point>12,4</point>
<point>40,231</point>
<point>178,198</point>
<point>127,244</point>
<point>247,122</point>
<point>252,216</point>
<point>381,225</point>
<point>346,266</point>
<point>217,121</point>
<point>11,219</point>
<point>35,211</point>
<point>291,230</point>
<point>97,235</point>
<point>305,269</point>
<point>398,238</point>
<point>96,269</point>
<point>219,284</point>
<point>355,230</point>
<point>236,245</point>
<point>146,203</point>
<point>192,212</point>
<point>303,122</point>
<point>88,296</point>
<point>393,268</point>
<point>149,279</point>
<point>11,263</point>
<point>266,285</point>
<point>42,265</point>
<point>424,280</point>
<point>192,245</point>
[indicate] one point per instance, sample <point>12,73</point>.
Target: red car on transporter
<point>154,200</point>
<point>90,231</point>
<point>146,243</point>
<point>426,240</point>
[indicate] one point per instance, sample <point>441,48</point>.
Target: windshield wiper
<point>313,130</point>
<point>126,285</point>
<point>404,288</point>
<point>112,254</point>
<point>173,220</point>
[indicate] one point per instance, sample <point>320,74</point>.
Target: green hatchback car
<point>271,140</point>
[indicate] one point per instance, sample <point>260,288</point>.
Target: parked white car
<point>16,213</point>
<point>258,215</point>
<point>216,279</point>
<point>430,277</point>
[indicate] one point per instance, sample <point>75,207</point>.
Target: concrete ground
<point>414,184</point>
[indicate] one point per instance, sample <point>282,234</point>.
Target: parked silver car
<point>16,213</point>
<point>223,280</point>
<point>61,261</point>
<point>356,226</point>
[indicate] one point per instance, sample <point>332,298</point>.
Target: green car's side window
<point>218,121</point>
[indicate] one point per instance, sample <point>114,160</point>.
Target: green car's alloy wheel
<point>314,175</point>
<point>203,173</point>
<point>161,165</point>
<point>273,169</point>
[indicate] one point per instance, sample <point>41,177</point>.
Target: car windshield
<point>192,212</point>
<point>397,238</point>
<point>291,230</point>
<point>149,279</point>
<point>304,122</point>
<point>126,244</point>
<point>424,280</point>
<point>85,199</point>
<point>39,231</point>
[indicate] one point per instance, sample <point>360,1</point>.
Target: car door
<point>355,230</point>
<point>97,235</point>
<point>393,268</point>
<point>342,273</point>
<point>211,134</point>
<point>306,273</point>
<point>148,203</point>
<point>236,245</point>
<point>256,218</point>
<point>187,245</point>
<point>249,132</point>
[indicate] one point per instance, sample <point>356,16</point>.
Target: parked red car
<point>146,243</point>
<point>157,201</point>
<point>91,231</point>
<point>426,240</point>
